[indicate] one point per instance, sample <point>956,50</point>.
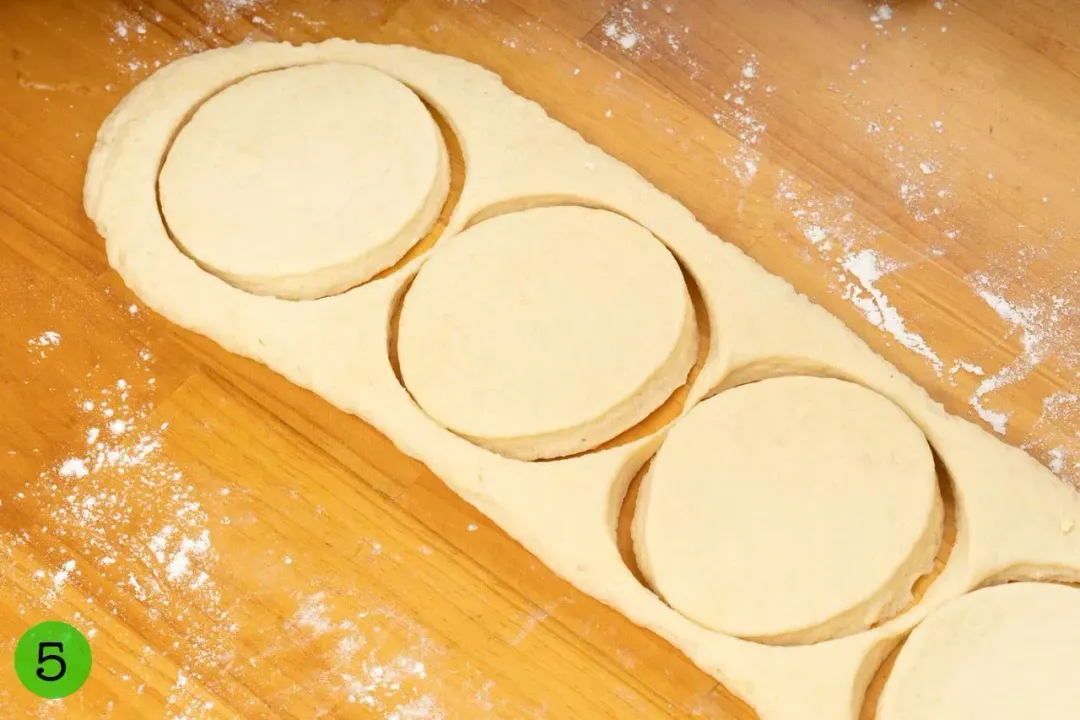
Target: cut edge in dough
<point>983,652</point>
<point>619,417</point>
<point>879,607</point>
<point>334,276</point>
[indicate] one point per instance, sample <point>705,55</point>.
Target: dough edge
<point>821,682</point>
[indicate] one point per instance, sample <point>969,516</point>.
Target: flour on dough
<point>305,181</point>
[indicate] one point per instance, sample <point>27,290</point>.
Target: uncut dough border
<point>1013,515</point>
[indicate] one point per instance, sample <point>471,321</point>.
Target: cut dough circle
<point>546,332</point>
<point>790,511</point>
<point>305,181</point>
<point>1000,653</point>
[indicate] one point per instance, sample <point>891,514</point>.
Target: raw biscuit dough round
<point>1000,653</point>
<point>305,181</point>
<point>546,332</point>
<point>790,511</point>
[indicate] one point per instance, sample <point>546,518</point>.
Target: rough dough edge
<point>1010,510</point>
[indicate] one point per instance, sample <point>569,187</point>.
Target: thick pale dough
<point>545,332</point>
<point>1015,518</point>
<point>791,510</point>
<point>306,181</point>
<point>1000,653</point>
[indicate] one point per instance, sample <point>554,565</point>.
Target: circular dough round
<point>304,182</point>
<point>545,332</point>
<point>1000,653</point>
<point>790,511</point>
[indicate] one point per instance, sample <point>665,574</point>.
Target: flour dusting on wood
<point>119,518</point>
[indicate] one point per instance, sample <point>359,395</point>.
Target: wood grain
<point>339,578</point>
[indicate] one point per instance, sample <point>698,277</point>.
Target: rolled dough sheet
<point>546,332</point>
<point>790,511</point>
<point>1012,513</point>
<point>305,181</point>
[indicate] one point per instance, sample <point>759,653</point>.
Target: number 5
<point>42,657</point>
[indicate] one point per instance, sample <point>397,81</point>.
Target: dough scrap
<point>790,511</point>
<point>1011,512</point>
<point>546,332</point>
<point>305,181</point>
<point>999,653</point>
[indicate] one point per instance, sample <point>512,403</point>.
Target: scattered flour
<point>641,35</point>
<point>42,344</point>
<point>536,618</point>
<point>312,615</point>
<point>965,366</point>
<point>62,574</point>
<point>881,15</point>
<point>1057,435</point>
<point>918,154</point>
<point>361,667</point>
<point>740,117</point>
<point>365,654</point>
<point>422,708</point>
<point>831,229</point>
<point>73,467</point>
<point>129,511</point>
<point>1043,324</point>
<point>139,50</point>
<point>621,30</point>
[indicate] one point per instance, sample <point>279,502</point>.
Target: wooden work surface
<point>234,546</point>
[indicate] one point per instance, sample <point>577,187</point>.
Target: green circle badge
<point>52,659</point>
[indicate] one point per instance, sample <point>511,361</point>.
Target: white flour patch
<point>182,703</point>
<point>923,164</point>
<point>61,575</point>
<point>366,654</point>
<point>740,117</point>
<point>964,366</point>
<point>534,619</point>
<point>44,343</point>
<point>1056,435</point>
<point>378,658</point>
<point>139,47</point>
<point>1047,328</point>
<point>179,565</point>
<point>312,616</point>
<point>132,515</point>
<point>867,267</point>
<point>830,228</point>
<point>220,11</point>
<point>655,31</point>
<point>622,32</point>
<point>634,32</point>
<point>422,708</point>
<point>881,15</point>
<point>1057,460</point>
<point>1061,405</point>
<point>73,467</point>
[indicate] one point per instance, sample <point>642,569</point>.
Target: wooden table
<point>234,546</point>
